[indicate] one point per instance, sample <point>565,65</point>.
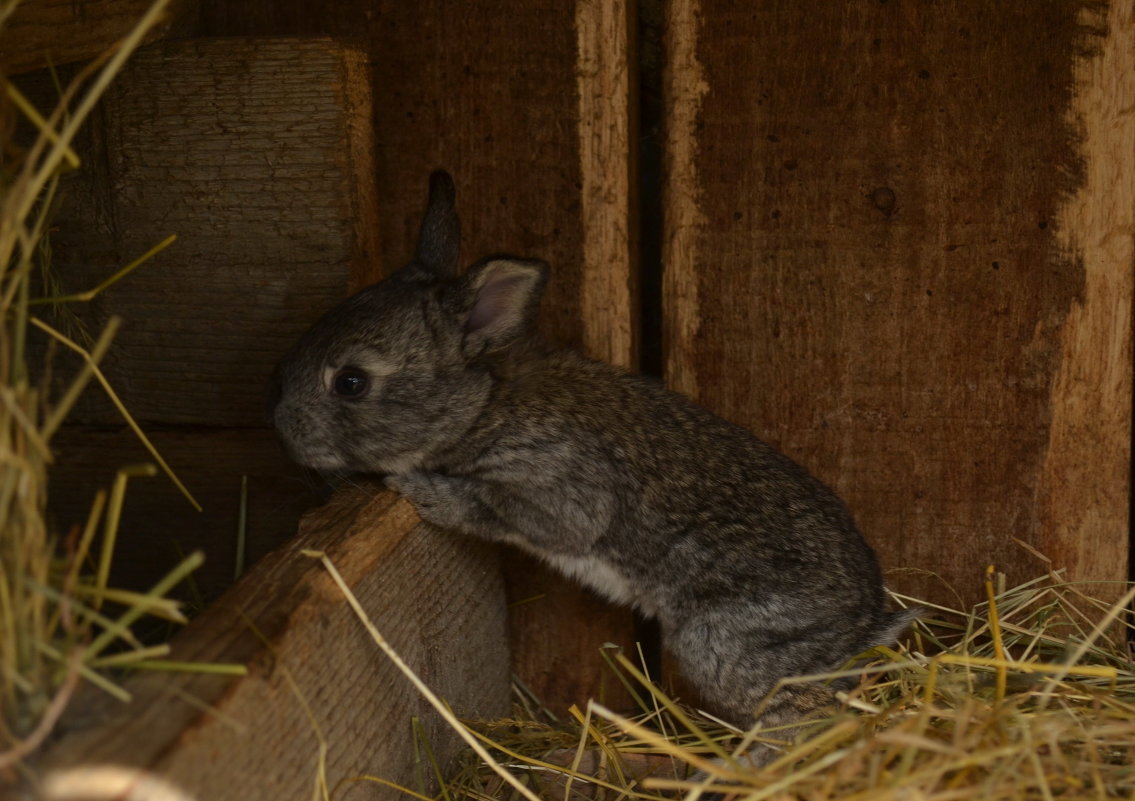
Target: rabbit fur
<point>753,568</point>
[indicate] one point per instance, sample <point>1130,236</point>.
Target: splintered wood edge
<point>285,591</point>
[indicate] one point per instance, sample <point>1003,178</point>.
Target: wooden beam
<point>609,282</point>
<point>315,678</point>
<point>683,88</point>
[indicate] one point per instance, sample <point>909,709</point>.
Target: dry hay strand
<point>1030,695</point>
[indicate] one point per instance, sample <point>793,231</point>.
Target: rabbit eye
<point>350,382</point>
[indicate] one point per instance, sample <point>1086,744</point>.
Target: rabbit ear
<point>501,298</point>
<point>439,239</point>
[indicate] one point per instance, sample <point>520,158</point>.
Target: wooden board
<point>898,246</point>
<point>528,105</point>
<point>306,652</point>
<point>1084,484</point>
<point>44,33</point>
<point>258,156</point>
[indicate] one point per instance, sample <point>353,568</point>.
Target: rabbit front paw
<point>439,499</point>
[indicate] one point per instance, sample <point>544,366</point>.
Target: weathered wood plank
<point>1084,483</point>
<point>609,281</point>
<point>258,154</point>
<point>507,126</point>
<point>886,255</point>
<point>44,33</point>
<point>305,650</point>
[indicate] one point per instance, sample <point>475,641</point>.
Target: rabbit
<point>434,380</point>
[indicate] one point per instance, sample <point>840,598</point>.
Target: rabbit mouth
<point>317,456</point>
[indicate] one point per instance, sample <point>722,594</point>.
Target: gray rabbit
<point>753,568</point>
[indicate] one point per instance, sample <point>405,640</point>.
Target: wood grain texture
<point>1085,479</point>
<point>683,88</point>
<point>305,649</point>
<point>494,94</point>
<point>258,155</point>
<point>870,269</point>
<point>43,33</point>
<point>606,154</point>
<point>490,94</point>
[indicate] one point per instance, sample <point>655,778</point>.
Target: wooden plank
<point>1084,483</point>
<point>44,33</point>
<point>307,653</point>
<point>258,154</point>
<point>683,88</point>
<point>529,107</point>
<point>158,526</point>
<point>879,232</point>
<point>608,286</point>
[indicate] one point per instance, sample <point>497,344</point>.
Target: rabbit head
<point>398,372</point>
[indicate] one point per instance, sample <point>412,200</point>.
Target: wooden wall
<point>891,242</point>
<point>251,153</point>
<point>899,246</point>
<point>896,241</point>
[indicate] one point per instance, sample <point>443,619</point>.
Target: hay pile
<point>60,620</point>
<point>1029,695</point>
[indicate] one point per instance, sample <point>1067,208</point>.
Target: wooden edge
<point>315,680</point>
<point>366,259</point>
<point>604,34</point>
<point>684,87</point>
<point>1085,482</point>
<point>50,33</point>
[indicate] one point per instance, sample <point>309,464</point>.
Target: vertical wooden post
<point>606,154</point>
<point>683,220</point>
